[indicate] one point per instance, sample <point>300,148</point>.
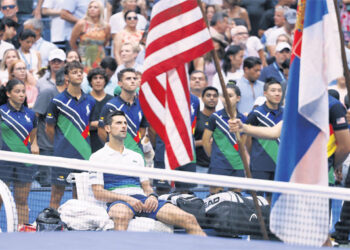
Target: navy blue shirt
<point>273,70</point>
<point>16,126</point>
<point>264,152</point>
<point>71,118</point>
<point>134,115</point>
<point>224,149</point>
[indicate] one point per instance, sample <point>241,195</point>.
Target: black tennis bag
<point>189,203</point>
<point>230,213</point>
<point>49,220</point>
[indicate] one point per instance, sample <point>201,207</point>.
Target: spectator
<point>9,9</point>
<point>263,153</point>
<point>255,11</point>
<point>73,55</point>
<point>19,71</point>
<point>117,21</point>
<point>72,11</point>
<point>128,35</point>
<point>10,56</point>
<point>97,80</point>
<point>67,127</point>
<point>52,8</point>
<point>251,44</point>
<point>3,45</point>
<point>56,61</point>
<point>93,34</point>
<point>217,130</point>
<point>31,57</point>
<point>128,102</point>
<point>42,46</point>
<point>13,108</point>
<point>219,25</point>
<point>206,62</point>
<point>210,97</point>
<point>210,11</point>
<point>113,6</point>
<point>128,54</point>
<point>109,64</point>
<point>287,28</point>
<point>10,29</point>
<point>251,88</point>
<point>231,68</point>
<point>275,70</point>
<point>198,82</point>
<point>274,17</point>
<point>40,108</point>
<point>236,11</point>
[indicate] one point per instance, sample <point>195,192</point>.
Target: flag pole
<point>342,49</point>
<point>241,146</point>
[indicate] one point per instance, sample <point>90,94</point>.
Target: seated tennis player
<point>128,196</point>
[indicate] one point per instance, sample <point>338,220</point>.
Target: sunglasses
<point>132,18</point>
<point>7,7</point>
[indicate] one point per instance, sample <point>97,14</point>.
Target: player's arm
<point>259,132</point>
<point>151,203</point>
<point>207,140</point>
<point>342,138</point>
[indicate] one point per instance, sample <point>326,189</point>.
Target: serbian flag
<point>316,61</point>
<point>177,35</point>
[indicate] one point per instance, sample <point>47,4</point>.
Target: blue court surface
<point>129,240</point>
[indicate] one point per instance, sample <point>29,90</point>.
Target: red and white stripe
<point>177,35</point>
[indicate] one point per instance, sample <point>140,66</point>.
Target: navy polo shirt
<point>263,154</point>
<point>71,118</point>
<point>16,126</point>
<point>224,148</point>
<point>133,112</point>
<point>273,70</point>
<point>160,146</point>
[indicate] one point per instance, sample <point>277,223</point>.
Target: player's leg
<point>173,215</point>
<point>21,199</point>
<point>121,214</point>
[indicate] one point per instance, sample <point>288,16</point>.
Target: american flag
<point>177,35</point>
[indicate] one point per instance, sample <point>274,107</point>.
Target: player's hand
<point>235,125</point>
<point>34,149</point>
<point>151,204</point>
<point>136,204</point>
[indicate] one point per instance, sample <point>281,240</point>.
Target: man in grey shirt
<point>40,109</point>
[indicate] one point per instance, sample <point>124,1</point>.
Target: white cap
<point>57,54</point>
<point>282,45</point>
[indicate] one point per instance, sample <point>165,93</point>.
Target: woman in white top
<point>10,56</point>
<point>31,57</point>
<point>231,67</point>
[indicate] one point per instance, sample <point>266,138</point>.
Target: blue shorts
<point>17,172</point>
<point>142,198</point>
<point>227,172</point>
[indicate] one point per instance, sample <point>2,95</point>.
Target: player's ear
<point>108,128</point>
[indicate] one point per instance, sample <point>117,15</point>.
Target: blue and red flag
<point>316,61</point>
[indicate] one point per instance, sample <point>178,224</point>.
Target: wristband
<point>153,194</point>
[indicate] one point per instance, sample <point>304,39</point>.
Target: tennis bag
<point>230,213</point>
<point>49,220</point>
<point>189,203</point>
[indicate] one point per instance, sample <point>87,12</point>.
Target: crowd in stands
<point>89,63</point>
